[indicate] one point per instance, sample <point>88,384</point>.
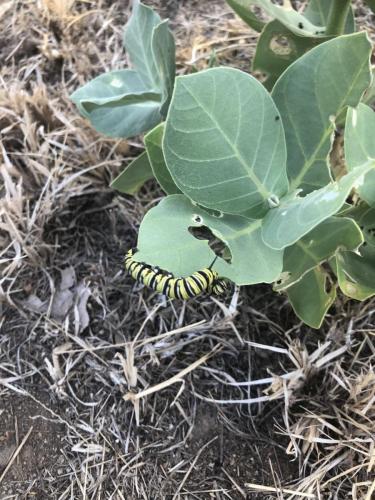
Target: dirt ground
<point>108,391</point>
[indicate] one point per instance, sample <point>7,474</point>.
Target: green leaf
<point>125,103</point>
<point>129,116</point>
<point>153,142</point>
<point>134,176</point>
<point>225,150</point>
<point>319,11</point>
<point>355,274</point>
<point>310,299</point>
<point>151,48</point>
<point>111,87</point>
<point>310,94</point>
<point>119,104</point>
<point>164,240</point>
<point>356,271</point>
<point>360,146</point>
<point>278,48</point>
<point>369,96</point>
<point>138,43</point>
<point>317,246</point>
<point>246,14</point>
<point>364,216</point>
<point>289,17</point>
<point>164,52</point>
<point>295,217</point>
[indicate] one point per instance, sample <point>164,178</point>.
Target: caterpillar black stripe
<point>203,281</point>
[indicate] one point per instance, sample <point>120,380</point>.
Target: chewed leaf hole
<point>281,280</point>
<point>329,283</point>
<point>217,246</point>
<point>328,286</point>
<point>197,219</point>
<point>368,234</point>
<point>261,75</point>
<point>280,45</point>
<point>211,211</point>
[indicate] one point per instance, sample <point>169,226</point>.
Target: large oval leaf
<point>310,94</point>
<point>164,240</point>
<point>224,142</point>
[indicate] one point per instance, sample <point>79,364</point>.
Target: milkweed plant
<point>249,160</point>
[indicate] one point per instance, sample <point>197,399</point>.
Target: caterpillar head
<point>129,253</point>
<point>220,286</point>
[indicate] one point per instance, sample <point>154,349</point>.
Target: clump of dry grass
<point>332,434</point>
<point>56,9</point>
<point>49,155</point>
<point>157,399</point>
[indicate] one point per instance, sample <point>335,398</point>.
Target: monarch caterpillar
<point>205,280</point>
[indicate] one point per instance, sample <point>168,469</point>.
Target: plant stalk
<point>337,17</point>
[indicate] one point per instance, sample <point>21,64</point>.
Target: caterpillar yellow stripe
<point>203,281</point>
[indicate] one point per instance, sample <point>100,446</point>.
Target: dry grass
<point>126,394</point>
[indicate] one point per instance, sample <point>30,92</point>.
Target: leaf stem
<point>337,17</point>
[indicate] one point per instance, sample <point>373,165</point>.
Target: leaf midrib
<point>262,190</point>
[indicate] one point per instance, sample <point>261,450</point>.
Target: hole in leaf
<point>329,277</point>
<point>369,235</point>
<point>337,156</point>
<point>328,285</point>
<point>258,12</point>
<point>280,45</point>
<point>211,211</point>
<point>197,219</point>
<point>260,76</point>
<point>217,246</point>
